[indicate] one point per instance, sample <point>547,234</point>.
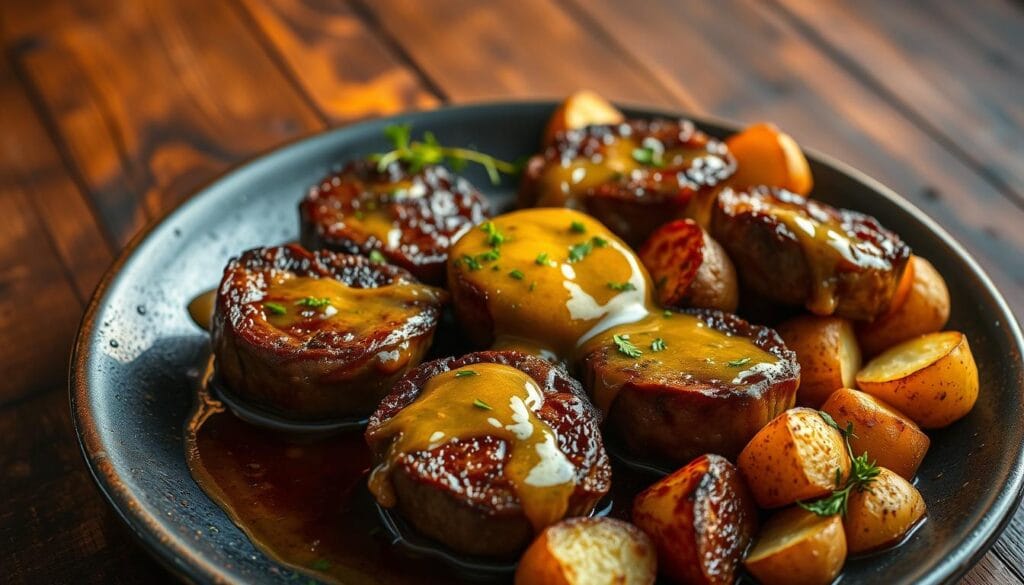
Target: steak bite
<point>411,218</point>
<point>633,176</point>
<point>312,336</point>
<point>484,451</point>
<point>798,251</point>
<point>676,385</point>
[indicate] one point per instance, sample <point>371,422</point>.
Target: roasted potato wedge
<point>689,268</point>
<point>579,110</point>
<point>888,437</point>
<point>589,551</point>
<point>768,156</point>
<point>701,519</point>
<point>920,305</point>
<point>932,378</point>
<point>794,457</point>
<point>883,513</point>
<point>797,547</point>
<point>827,350</point>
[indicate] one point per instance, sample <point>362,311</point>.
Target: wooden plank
<point>990,570</point>
<point>54,525</point>
<point>153,98</point>
<point>31,165</point>
<point>39,308</point>
<point>502,50</point>
<point>764,70</point>
<point>349,72</point>
<point>958,86</point>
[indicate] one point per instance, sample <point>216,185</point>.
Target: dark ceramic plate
<point>138,354</point>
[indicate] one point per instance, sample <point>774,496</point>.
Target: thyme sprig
<point>862,474</point>
<point>418,154</point>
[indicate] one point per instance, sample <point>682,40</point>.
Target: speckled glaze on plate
<point>138,355</point>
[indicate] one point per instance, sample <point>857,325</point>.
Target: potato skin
<point>882,514</point>
<point>794,457</point>
<point>924,309</point>
<point>814,557</point>
<point>689,268</point>
<point>889,438</point>
<point>701,519</point>
<point>589,551</point>
<point>581,109</point>
<point>933,396</point>
<point>767,156</point>
<point>828,354</point>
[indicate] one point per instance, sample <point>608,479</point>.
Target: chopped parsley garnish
<point>666,313</point>
<point>313,302</point>
<point>533,285</point>
<point>621,286</point>
<point>494,237</point>
<point>376,257</point>
<point>472,263</point>
<point>464,373</point>
<point>579,251</point>
<point>542,259</point>
<point>418,154</point>
<point>738,362</point>
<point>489,256</point>
<point>658,345</point>
<point>482,405</point>
<point>275,308</point>
<point>495,268</point>
<point>862,474</point>
<point>516,274</point>
<point>626,346</point>
<point>650,154</point>
<point>578,227</point>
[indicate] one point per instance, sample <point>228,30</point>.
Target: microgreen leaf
<point>626,347</point>
<point>418,154</point>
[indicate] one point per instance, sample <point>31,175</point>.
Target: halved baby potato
<point>589,551</point>
<point>827,350</point>
<point>798,547</point>
<point>579,110</point>
<point>932,378</point>
<point>920,305</point>
<point>883,513</point>
<point>888,437</point>
<point>796,456</point>
<point>701,519</point>
<point>689,268</point>
<point>768,156</point>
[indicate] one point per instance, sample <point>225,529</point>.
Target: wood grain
<point>54,525</point>
<point>962,87</point>
<point>502,50</point>
<point>346,70</point>
<point>990,571</point>
<point>31,166</point>
<point>153,98</point>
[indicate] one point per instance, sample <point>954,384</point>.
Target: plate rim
<point>172,551</point>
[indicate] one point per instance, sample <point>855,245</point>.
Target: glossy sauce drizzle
<point>484,399</point>
<point>301,306</point>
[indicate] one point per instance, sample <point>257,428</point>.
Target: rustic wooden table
<point>112,112</point>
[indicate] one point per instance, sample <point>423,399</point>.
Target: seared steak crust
<point>427,211</point>
<point>781,265</point>
<point>324,373</point>
<point>458,493</point>
<point>664,419</point>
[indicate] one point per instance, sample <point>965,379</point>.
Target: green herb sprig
<point>862,474</point>
<point>626,347</point>
<point>418,154</point>
<point>313,302</point>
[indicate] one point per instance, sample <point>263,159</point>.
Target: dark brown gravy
<point>304,500</point>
